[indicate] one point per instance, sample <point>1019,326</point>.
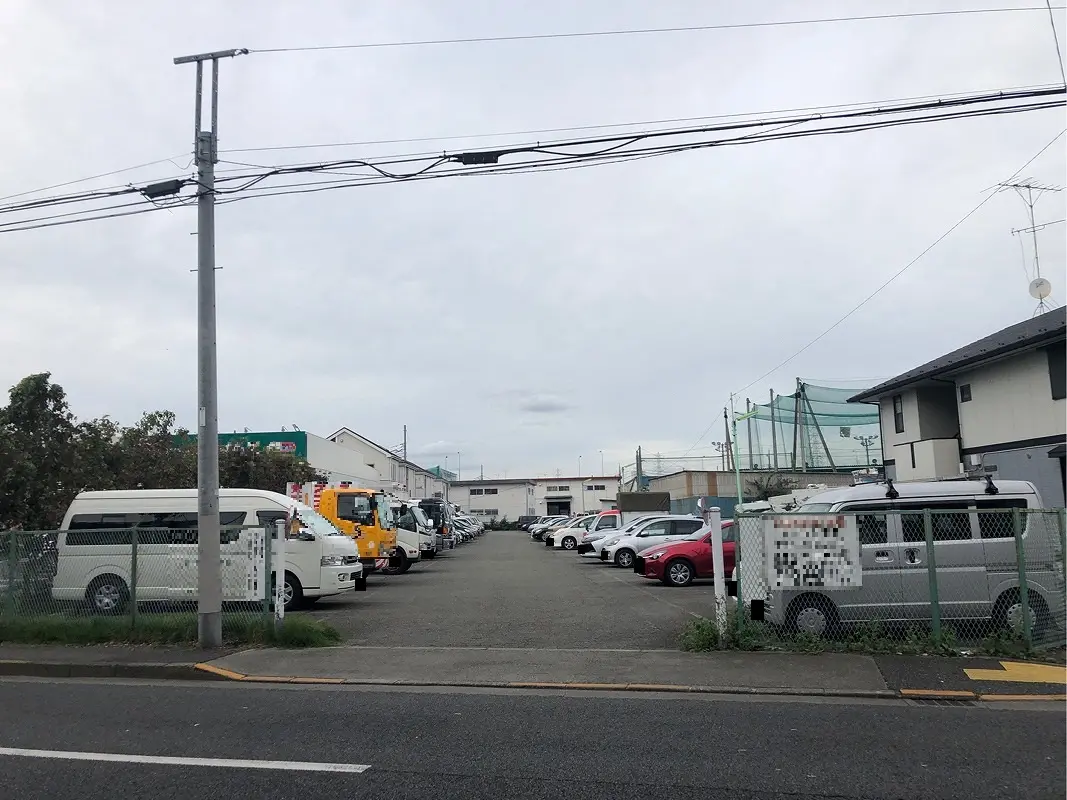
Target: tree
<point>763,487</point>
<point>247,466</point>
<point>39,469</point>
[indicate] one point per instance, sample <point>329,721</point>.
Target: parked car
<point>568,537</point>
<point>593,541</point>
<point>622,550</point>
<point>975,554</point>
<point>538,529</point>
<point>680,563</point>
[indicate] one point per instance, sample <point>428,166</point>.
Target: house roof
<point>1048,327</point>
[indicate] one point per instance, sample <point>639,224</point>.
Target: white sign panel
<point>811,551</point>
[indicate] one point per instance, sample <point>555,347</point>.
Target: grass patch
<point>165,629</point>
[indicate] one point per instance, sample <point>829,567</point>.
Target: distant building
<point>392,469</point>
<point>517,497</point>
<point>996,406</point>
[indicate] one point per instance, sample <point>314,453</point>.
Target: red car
<point>678,563</point>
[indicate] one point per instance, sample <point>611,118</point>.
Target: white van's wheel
<point>292,592</point>
<point>108,594</point>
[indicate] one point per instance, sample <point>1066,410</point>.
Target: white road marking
<point>233,763</point>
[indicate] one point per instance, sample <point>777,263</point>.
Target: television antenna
<point>1030,192</point>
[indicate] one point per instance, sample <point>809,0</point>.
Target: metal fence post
<point>931,574</point>
<point>134,537</point>
<point>269,531</point>
<point>1024,591</point>
<point>12,566</point>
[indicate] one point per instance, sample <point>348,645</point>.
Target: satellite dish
<point>1040,288</point>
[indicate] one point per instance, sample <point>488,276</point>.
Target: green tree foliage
<point>47,456</point>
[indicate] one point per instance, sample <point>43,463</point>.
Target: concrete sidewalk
<point>662,670</point>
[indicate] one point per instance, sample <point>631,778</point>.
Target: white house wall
<point>582,499</point>
<point>511,500</point>
<point>340,463</point>
<point>1011,401</point>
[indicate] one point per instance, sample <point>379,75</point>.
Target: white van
<point>94,551</point>
<point>974,554</point>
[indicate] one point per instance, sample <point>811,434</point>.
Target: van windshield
<point>315,522</point>
<point>814,508</point>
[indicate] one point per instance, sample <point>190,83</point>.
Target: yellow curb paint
<point>318,680</point>
<point>268,679</point>
<point>935,693</point>
<point>659,687</point>
<point>1020,672</point>
<point>1046,697</point>
<point>13,661</point>
<point>225,673</point>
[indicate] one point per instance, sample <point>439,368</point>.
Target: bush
<point>165,629</point>
<point>699,636</point>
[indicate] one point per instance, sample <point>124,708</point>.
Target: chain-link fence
<point>961,579</point>
<point>146,576</point>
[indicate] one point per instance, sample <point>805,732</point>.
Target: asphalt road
<point>475,745</point>
<point>504,590</point>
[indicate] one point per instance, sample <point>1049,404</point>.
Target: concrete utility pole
<point>209,557</point>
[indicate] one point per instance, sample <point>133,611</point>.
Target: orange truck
<point>362,514</point>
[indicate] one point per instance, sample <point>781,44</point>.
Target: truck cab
<point>365,516</point>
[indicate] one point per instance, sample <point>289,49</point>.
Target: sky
<point>522,324</point>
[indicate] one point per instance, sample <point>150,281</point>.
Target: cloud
<point>544,404</point>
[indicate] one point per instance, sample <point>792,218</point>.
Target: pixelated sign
<point>811,551</point>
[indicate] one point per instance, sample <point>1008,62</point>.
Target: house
<point>393,470</point>
<point>996,406</point>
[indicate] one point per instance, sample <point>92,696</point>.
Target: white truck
<point>414,531</point>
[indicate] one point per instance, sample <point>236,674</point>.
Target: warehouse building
<point>519,497</point>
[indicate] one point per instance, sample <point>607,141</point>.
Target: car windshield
<point>637,523</point>
<point>315,522</point>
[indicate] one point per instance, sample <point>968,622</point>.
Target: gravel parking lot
<point>503,590</point>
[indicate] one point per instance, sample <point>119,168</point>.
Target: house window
<point>1057,369</point>
<point>965,393</point>
<point>898,412</point>
<point>477,491</point>
<point>491,491</point>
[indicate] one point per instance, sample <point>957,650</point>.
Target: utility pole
<point>459,466</point>
<point>209,556</point>
<point>729,441</point>
<point>866,442</point>
<point>407,469</point>
<point>601,463</point>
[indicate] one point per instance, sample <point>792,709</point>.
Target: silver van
<point>974,555</point>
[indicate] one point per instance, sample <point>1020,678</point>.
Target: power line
<point>610,149</point>
<point>95,177</point>
<point>612,125</point>
<point>647,31</point>
<point>892,278</point>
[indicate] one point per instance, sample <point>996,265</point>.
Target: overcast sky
<point>524,321</point>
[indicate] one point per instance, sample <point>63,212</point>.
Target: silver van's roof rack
<point>990,487</point>
<point>891,491</point>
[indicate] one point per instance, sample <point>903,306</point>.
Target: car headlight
<point>332,561</point>
<point>611,542</point>
<point>654,556</point>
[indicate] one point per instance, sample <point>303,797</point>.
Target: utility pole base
<point>209,629</point>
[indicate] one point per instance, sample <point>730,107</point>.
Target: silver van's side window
<point>994,525</point>
<point>871,521</point>
<point>950,521</point>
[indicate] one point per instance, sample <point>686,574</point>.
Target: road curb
<point>226,674</point>
<point>144,670</point>
<point>210,672</point>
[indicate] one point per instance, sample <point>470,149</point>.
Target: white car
<point>593,542</point>
<point>568,538</point>
<point>621,550</point>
